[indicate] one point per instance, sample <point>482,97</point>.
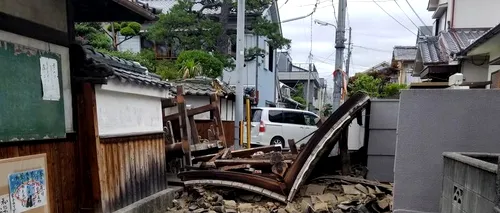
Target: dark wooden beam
<point>190,112</point>
<point>181,106</point>
<point>34,30</point>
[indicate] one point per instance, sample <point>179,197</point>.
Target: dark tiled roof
<point>481,40</point>
<point>429,51</point>
<point>123,70</point>
<point>456,40</point>
<point>405,53</point>
<point>201,86</point>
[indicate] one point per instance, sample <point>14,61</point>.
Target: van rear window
<point>255,115</point>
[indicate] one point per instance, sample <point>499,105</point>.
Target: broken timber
<point>295,173</point>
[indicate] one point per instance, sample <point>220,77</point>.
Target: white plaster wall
<point>476,13</point>
<point>121,113</point>
<point>132,45</point>
<point>356,136</point>
<point>66,78</point>
<point>474,73</point>
<point>226,109</point>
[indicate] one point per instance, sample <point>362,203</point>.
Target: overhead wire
<point>395,1</point>
<point>335,13</point>
<point>416,14</point>
<point>371,48</point>
<point>392,17</point>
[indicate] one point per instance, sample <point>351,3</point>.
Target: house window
<point>271,59</point>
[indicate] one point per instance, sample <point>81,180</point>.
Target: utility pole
<point>308,84</point>
<point>348,61</point>
<point>339,54</point>
<point>240,69</point>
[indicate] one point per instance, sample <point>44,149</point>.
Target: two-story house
<point>458,23</point>
<point>293,75</point>
<point>404,59</point>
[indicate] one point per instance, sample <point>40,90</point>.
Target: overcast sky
<point>374,33</point>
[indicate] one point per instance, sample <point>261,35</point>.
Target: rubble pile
<point>337,194</point>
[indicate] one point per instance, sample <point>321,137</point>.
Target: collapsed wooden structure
<point>268,170</point>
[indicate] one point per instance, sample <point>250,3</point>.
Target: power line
<point>371,48</point>
<point>392,17</point>
<point>418,16</point>
<point>395,1</point>
<point>335,13</point>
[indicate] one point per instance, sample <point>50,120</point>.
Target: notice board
<point>31,100</point>
<point>23,185</point>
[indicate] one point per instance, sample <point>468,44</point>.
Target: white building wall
<point>132,45</point>
<point>226,107</point>
<point>133,110</point>
<point>474,73</point>
<point>476,13</point>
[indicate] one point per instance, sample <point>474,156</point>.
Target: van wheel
<point>278,140</point>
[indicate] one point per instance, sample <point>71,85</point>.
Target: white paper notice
<point>50,79</point>
<point>5,203</point>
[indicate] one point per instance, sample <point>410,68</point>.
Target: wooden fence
<point>61,169</point>
<point>134,167</point>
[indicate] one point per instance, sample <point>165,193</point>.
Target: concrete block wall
<point>468,184</point>
<point>382,139</point>
<point>431,122</point>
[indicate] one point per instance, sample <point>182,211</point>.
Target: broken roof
<point>404,53</point>
<point>99,66</point>
<point>202,86</point>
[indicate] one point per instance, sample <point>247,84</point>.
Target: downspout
<point>452,14</point>
<point>257,70</point>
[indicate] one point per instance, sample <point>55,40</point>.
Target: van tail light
<point>262,127</point>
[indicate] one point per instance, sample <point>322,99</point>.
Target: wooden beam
<point>293,146</point>
<point>243,153</point>
<point>344,153</point>
<point>217,119</point>
<point>92,171</point>
<point>252,162</point>
<point>190,112</point>
<point>242,166</point>
<point>181,106</point>
<point>194,131</point>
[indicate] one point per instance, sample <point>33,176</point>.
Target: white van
<point>271,126</point>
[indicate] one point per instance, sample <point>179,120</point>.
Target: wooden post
<point>217,119</point>
<point>241,133</point>
<point>344,153</point>
<point>249,128</point>
<point>293,146</point>
<point>181,106</point>
<point>194,131</point>
<point>92,173</point>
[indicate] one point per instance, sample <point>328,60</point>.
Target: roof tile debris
<point>405,53</point>
<point>202,86</point>
<point>123,70</point>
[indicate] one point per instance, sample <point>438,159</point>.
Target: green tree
<point>209,65</point>
<point>298,94</point>
<point>327,110</point>
<point>196,30</point>
<point>127,29</point>
<point>94,34</point>
<point>376,87</point>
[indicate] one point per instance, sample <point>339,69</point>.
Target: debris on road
<point>337,194</point>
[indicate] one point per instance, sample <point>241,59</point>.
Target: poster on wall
<point>23,185</point>
<point>27,190</point>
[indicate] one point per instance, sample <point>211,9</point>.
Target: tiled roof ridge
<point>405,47</point>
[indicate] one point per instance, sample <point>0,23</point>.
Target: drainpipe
<point>452,14</point>
<point>257,68</point>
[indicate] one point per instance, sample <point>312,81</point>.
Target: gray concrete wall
<point>432,122</point>
<point>51,13</point>
<point>468,184</point>
<point>382,139</point>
